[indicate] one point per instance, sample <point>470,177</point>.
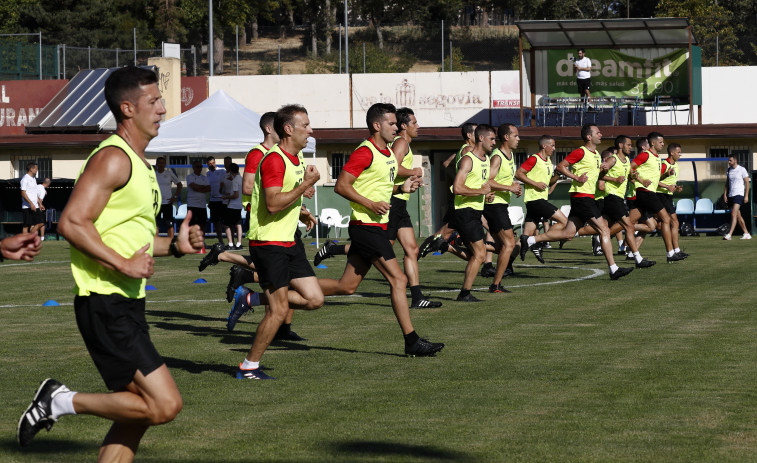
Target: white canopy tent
<point>218,125</point>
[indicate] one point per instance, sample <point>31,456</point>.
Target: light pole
<point>346,40</point>
<point>210,37</point>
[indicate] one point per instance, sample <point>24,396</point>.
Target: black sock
<point>464,292</point>
<point>249,276</point>
<point>338,250</point>
<point>411,338</point>
<point>415,293</point>
<point>285,328</point>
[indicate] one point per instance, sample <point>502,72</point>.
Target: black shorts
<point>199,216</point>
<point>369,242</point>
<point>667,202</point>
<point>539,210</point>
<point>614,208</point>
<point>584,208</point>
<point>498,217</point>
<point>449,216</point>
<point>469,224</point>
<point>398,218</point>
<point>735,200</point>
<point>278,265</point>
<point>28,217</point>
<point>232,217</point>
<point>217,209</point>
<point>39,216</point>
<point>583,85</point>
<point>117,337</point>
<point>648,202</point>
<point>165,216</point>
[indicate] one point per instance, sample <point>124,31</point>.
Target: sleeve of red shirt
<point>273,169</point>
<point>252,161</point>
<point>359,160</point>
<point>641,158</point>
<point>529,163</point>
<point>663,169</point>
<point>575,156</point>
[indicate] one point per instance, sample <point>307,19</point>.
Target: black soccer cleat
<point>39,413</point>
<point>211,258</point>
<point>427,246</point>
<point>675,258</point>
<point>620,272</point>
<point>323,253</point>
<point>423,348</point>
<point>425,304</point>
<point>523,247</point>
<point>498,289</point>
<point>468,298</point>
<point>237,277</point>
<point>488,270</point>
<point>538,253</point>
<point>645,263</point>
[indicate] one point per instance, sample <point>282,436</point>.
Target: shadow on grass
<point>45,446</point>
<point>395,449</point>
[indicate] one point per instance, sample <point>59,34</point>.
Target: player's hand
<point>191,239</point>
<point>309,193</point>
<point>490,197</point>
<point>541,186</point>
<point>620,179</point>
<point>310,222</point>
<point>646,182</point>
<point>381,207</point>
<point>23,246</point>
<point>418,172</point>
<point>516,188</point>
<point>582,178</point>
<point>411,184</point>
<point>139,265</point>
<point>311,175</point>
<point>486,188</point>
<point>41,207</point>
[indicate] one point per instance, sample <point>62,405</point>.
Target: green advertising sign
<point>617,74</point>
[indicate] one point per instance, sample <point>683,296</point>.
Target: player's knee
<point>315,302</point>
<point>400,281</point>
<point>167,409</point>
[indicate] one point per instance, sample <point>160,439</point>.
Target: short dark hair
<point>403,118</point>
<point>607,153</point>
<point>160,158</point>
<point>234,168</point>
<point>620,139</point>
<point>467,129</point>
<point>653,136</point>
<point>285,116</point>
<point>640,144</point>
<point>227,157</point>
<point>582,50</point>
<point>543,140</point>
<point>483,129</point>
<point>123,84</point>
<point>210,158</point>
<point>586,131</point>
<point>30,165</point>
<point>504,130</point>
<point>673,146</point>
<point>376,113</point>
<point>267,120</point>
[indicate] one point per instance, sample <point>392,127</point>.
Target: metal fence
<point>74,59</point>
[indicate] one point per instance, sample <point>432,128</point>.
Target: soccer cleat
<point>498,289</point>
<point>509,272</point>
<point>620,272</point>
<point>211,258</point>
<point>467,298</point>
<point>523,247</point>
<point>425,304</point>
<point>645,263</point>
<point>423,348</point>
<point>683,254</point>
<point>537,252</point>
<point>675,258</point>
<point>39,414</point>
<point>547,245</point>
<point>487,270</point>
<point>727,237</point>
<point>562,243</point>
<point>287,335</point>
<point>323,253</point>
<point>746,236</point>
<point>630,257</point>
<point>427,247</point>
<point>237,277</point>
<point>239,308</point>
<point>622,250</point>
<point>256,373</point>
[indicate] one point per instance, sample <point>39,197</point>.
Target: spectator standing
<point>29,197</point>
<point>166,178</point>
<point>198,187</point>
<point>737,194</point>
<point>41,210</point>
<point>215,202</point>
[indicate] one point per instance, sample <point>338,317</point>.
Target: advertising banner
<point>617,74</point>
<point>194,90</point>
<point>22,100</point>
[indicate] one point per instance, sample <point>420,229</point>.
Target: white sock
<point>671,253</point>
<point>620,243</point>
<point>630,254</point>
<point>531,241</point>
<point>613,268</point>
<point>677,250</point>
<point>247,365</point>
<point>727,236</point>
<point>638,257</point>
<point>63,404</point>
<point>239,244</point>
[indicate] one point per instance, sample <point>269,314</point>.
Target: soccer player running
<point>471,186</point>
<point>585,164</point>
<point>665,189</point>
<point>110,223</point>
<point>279,260</point>
<point>367,182</point>
<point>501,181</point>
<point>646,168</point>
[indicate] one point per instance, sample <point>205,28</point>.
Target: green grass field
<point>658,366</point>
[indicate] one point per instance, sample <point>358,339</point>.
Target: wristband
<point>173,249</point>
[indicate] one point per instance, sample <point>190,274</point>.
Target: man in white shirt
<point>583,74</point>
<point>29,198</point>
<point>198,188</point>
<point>232,195</point>
<point>41,211</point>
<point>215,203</point>
<point>166,177</point>
<point>736,193</point>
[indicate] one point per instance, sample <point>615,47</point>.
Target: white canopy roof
<point>218,125</point>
